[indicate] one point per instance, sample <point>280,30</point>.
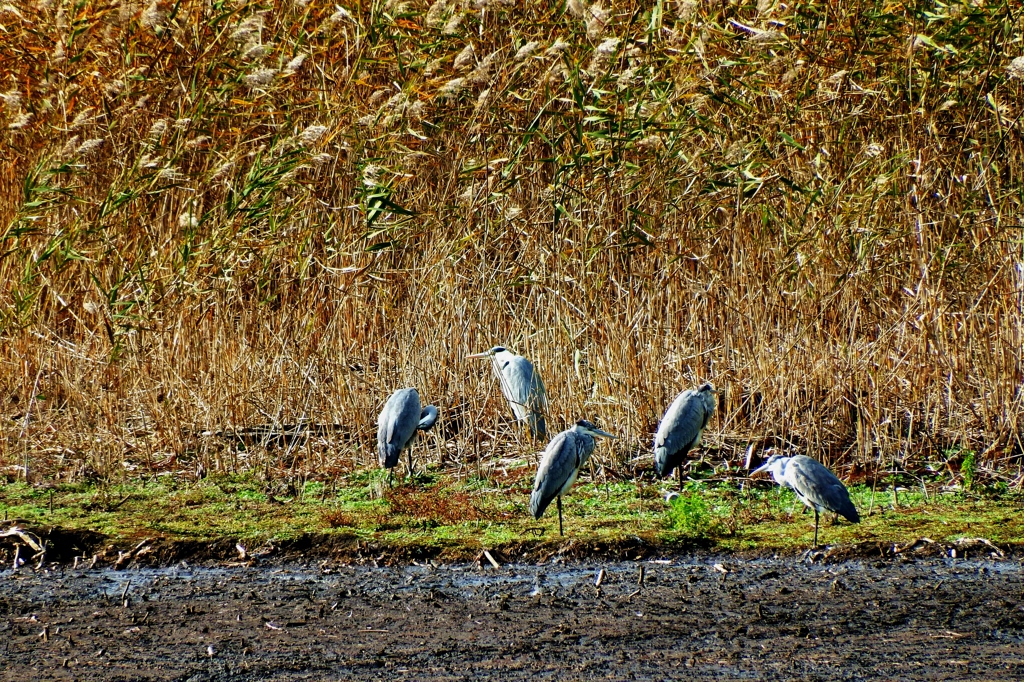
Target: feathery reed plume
<point>89,146</point>
<point>451,27</point>
<point>465,59</point>
<point>527,50</point>
<point>158,130</point>
<point>70,147</point>
<point>596,18</point>
<point>20,121</point>
<point>12,99</point>
<point>1015,69</point>
<point>556,48</point>
<point>437,14</point>
<point>311,134</point>
<point>260,77</point>
<point>295,64</point>
<point>341,14</point>
<point>153,17</point>
<point>452,89</point>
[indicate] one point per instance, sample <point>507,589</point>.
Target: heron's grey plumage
<point>560,464</point>
<point>814,485</point>
<point>681,427</point>
<point>398,424</point>
<point>522,387</point>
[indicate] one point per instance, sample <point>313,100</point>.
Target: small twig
<point>491,559</point>
<point>600,578</point>
<point>640,580</point>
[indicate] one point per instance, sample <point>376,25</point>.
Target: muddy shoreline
<point>74,547</point>
<point>695,617</point>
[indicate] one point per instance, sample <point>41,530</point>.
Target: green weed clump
<point>690,514</point>
<point>968,469</point>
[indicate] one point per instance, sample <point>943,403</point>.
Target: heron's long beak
<point>485,354</point>
<point>763,467</point>
<point>603,434</point>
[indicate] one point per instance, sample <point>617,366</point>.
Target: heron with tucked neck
<point>399,424</point>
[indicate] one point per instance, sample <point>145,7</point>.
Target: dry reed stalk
<point>826,224</point>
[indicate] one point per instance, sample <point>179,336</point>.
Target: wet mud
<point>712,617</point>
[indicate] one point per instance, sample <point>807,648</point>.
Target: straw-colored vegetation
<point>217,214</point>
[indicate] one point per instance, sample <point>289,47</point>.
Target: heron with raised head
<point>814,485</point>
<point>522,386</point>
<point>560,465</point>
<point>399,424</point>
<point>681,427</point>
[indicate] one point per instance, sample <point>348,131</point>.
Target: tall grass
<point>224,213</point>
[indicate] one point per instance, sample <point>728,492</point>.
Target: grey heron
<point>560,464</point>
<point>399,423</point>
<point>814,485</point>
<point>522,386</point>
<point>681,427</point>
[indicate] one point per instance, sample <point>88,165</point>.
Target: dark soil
<point>716,617</point>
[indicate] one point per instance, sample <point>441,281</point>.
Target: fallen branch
<point>28,538</point>
<point>980,541</point>
<point>899,550</point>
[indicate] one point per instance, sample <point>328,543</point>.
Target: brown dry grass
<point>450,508</point>
<point>817,206</point>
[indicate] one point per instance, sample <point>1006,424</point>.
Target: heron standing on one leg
<point>814,485</point>
<point>398,425</point>
<point>681,427</point>
<point>560,464</point>
<point>522,386</point>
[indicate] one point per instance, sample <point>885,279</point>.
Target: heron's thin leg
<point>391,478</point>
<point>410,464</point>
<point>815,527</point>
<point>679,476</point>
<point>559,500</point>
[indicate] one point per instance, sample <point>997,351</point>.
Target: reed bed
<point>218,214</point>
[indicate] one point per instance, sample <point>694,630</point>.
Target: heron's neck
<point>503,357</point>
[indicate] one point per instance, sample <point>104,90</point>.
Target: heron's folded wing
<point>813,481</point>
<point>556,466</point>
<point>517,383</point>
<point>541,404</point>
<point>681,424</point>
